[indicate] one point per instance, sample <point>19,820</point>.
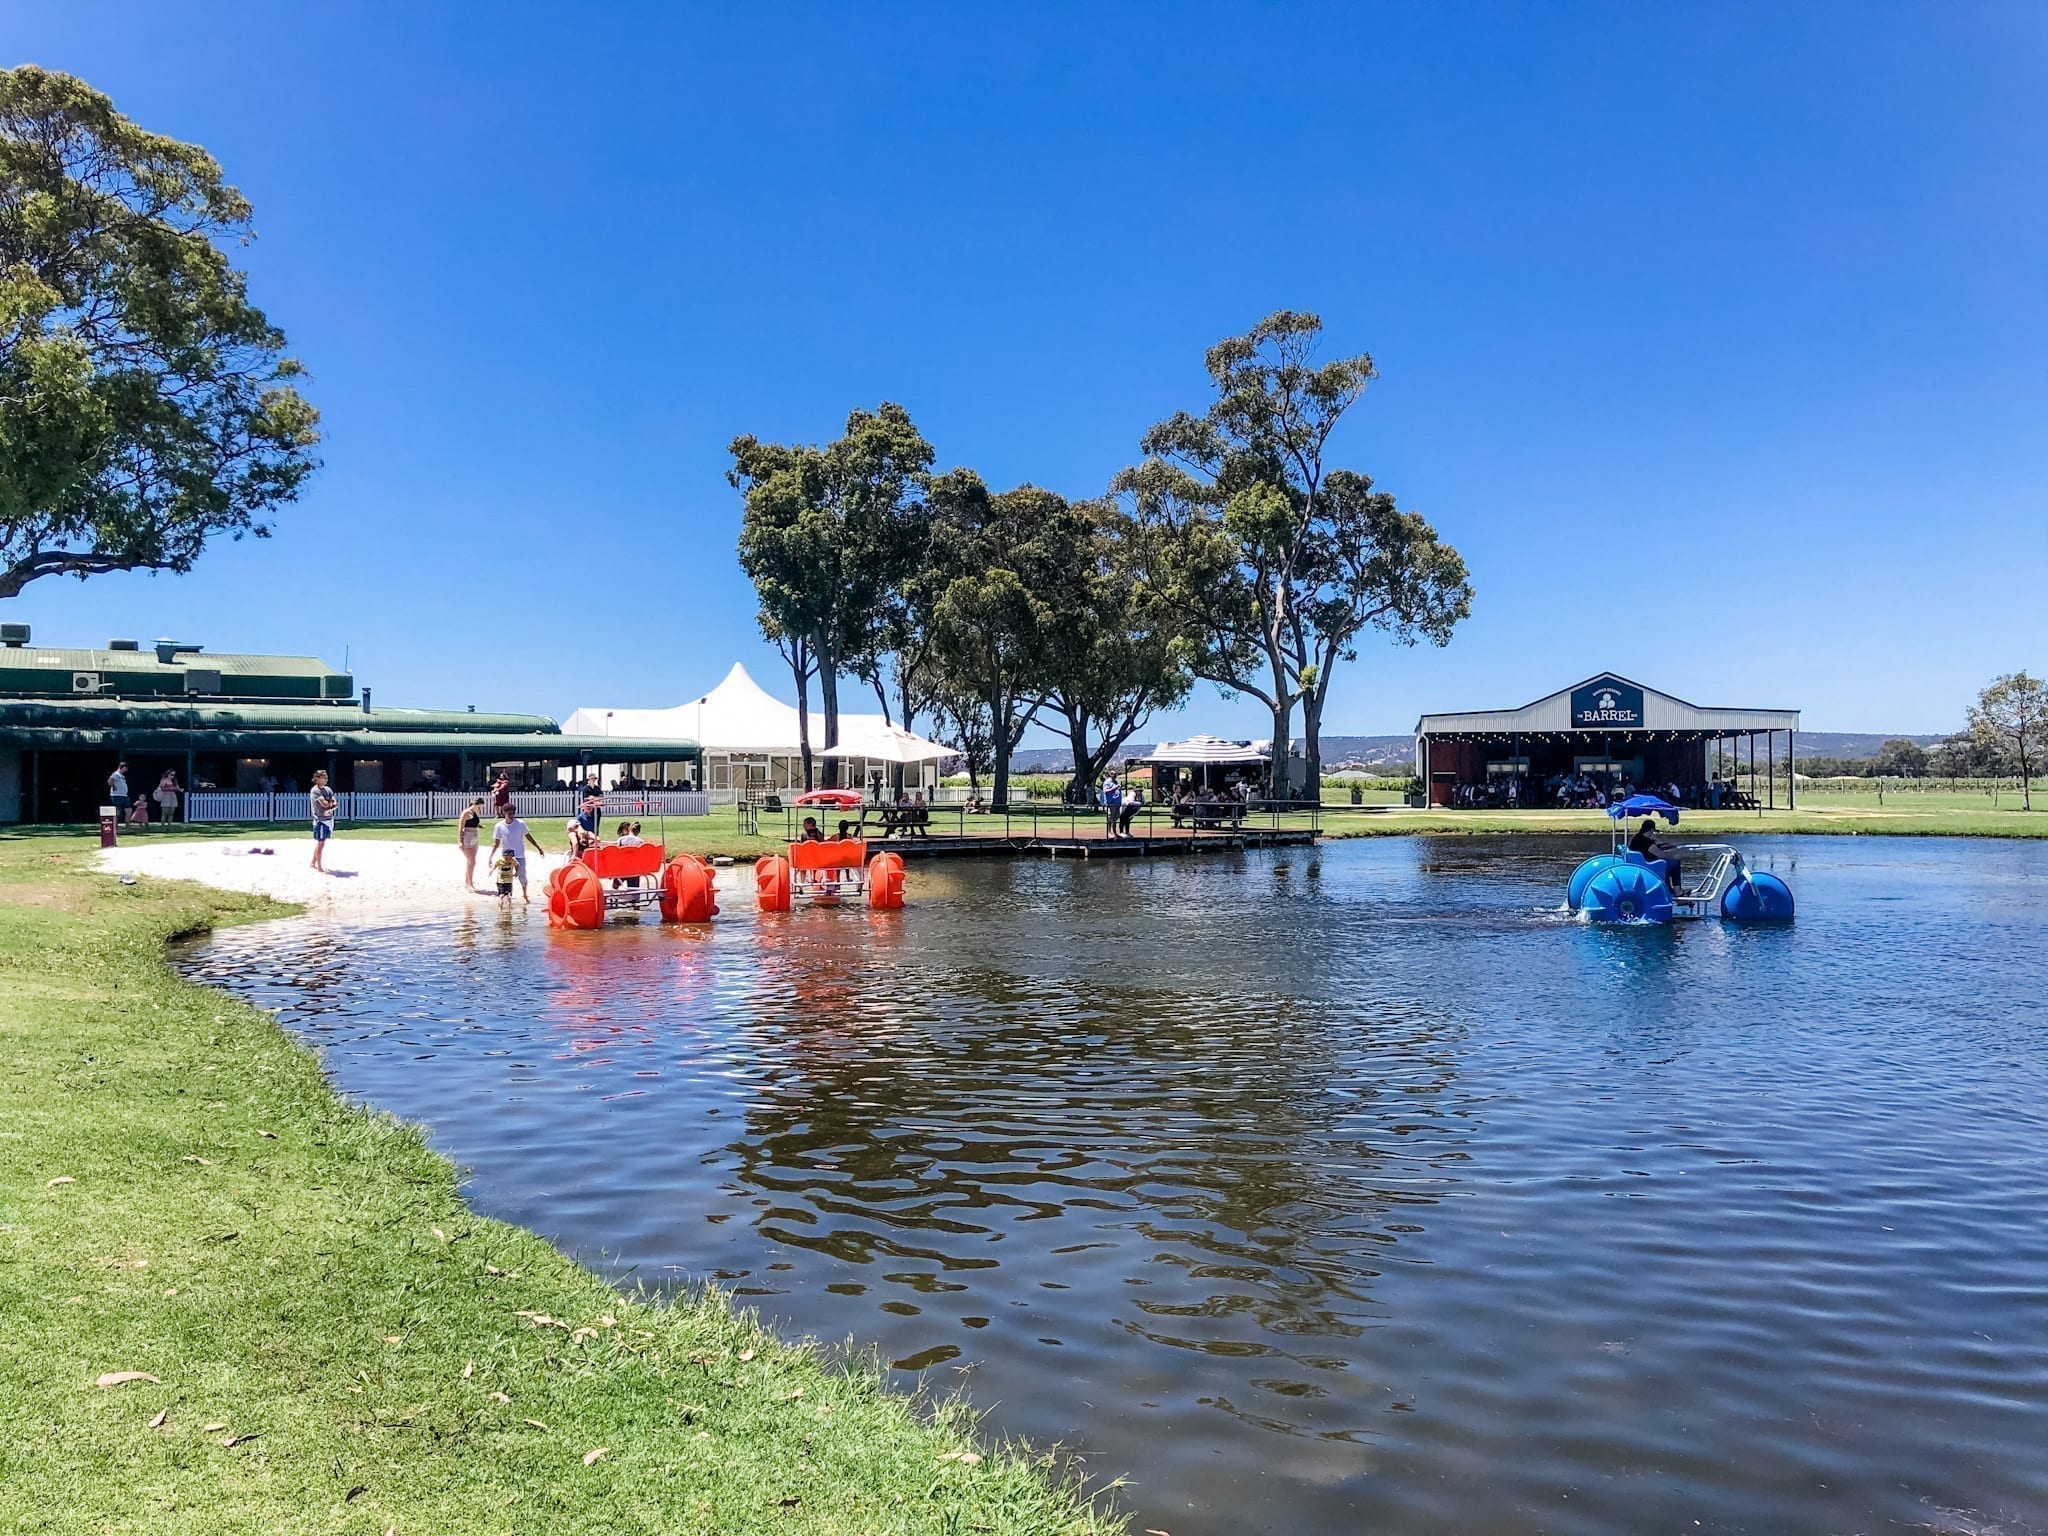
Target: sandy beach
<point>361,872</point>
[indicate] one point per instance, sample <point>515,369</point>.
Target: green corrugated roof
<point>228,664</point>
<point>18,715</point>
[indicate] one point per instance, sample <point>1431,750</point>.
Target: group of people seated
<point>584,833</point>
<point>909,816</point>
<point>1208,806</point>
<point>630,781</point>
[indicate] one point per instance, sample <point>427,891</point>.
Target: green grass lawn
<point>339,1345</point>
<point>1917,813</point>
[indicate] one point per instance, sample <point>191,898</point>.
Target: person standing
<point>513,837</point>
<point>167,795</point>
<point>469,832</point>
<point>501,795</point>
<point>1112,803</point>
<point>324,803</point>
<point>117,790</point>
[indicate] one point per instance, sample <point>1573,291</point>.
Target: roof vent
<point>168,651</point>
<point>13,636</point>
<point>124,645</point>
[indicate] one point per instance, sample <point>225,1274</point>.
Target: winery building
<point>1606,728</point>
<point>241,722</point>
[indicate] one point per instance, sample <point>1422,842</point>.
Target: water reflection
<point>1317,1190</point>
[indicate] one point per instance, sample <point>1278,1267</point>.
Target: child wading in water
<point>506,868</point>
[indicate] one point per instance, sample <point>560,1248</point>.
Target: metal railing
<point>438,804</point>
<point>1065,823</point>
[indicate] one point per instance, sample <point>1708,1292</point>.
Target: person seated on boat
<point>811,832</point>
<point>845,830</point>
<point>581,839</point>
<point>1650,846</point>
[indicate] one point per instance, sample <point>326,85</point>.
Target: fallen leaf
<point>351,1496</point>
<point>500,1397</point>
<point>492,1269</point>
<point>268,1135</point>
<point>234,1440</point>
<point>440,1234</point>
<point>468,1370</point>
<point>394,1338</point>
<point>122,1378</point>
<point>62,1178</point>
<point>592,1458</point>
<point>581,1334</point>
<point>746,1355</point>
<point>204,1162</point>
<point>969,1459</point>
<point>799,1392</point>
<point>535,1423</point>
<point>158,1421</point>
<point>208,1429</point>
<point>1150,1532</point>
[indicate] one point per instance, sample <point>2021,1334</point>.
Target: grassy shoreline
<point>341,1344</point>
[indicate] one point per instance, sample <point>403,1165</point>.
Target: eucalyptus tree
<point>1007,563</point>
<point>1280,560</point>
<point>827,535</point>
<point>2011,718</point>
<point>146,405</point>
<point>1121,649</point>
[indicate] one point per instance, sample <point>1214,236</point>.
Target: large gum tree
<point>146,405</point>
<point>1278,560</point>
<point>828,535</point>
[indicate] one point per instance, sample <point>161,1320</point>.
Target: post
<point>1771,767</point>
<point>1792,768</point>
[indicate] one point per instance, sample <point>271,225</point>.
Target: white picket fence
<point>438,805</point>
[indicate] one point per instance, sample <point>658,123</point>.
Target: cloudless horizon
<point>1712,337</point>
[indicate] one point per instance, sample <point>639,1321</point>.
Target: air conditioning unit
<point>86,682</point>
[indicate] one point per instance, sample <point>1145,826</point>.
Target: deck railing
<point>439,805</point>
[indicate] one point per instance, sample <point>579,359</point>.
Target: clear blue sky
<point>1713,335</point>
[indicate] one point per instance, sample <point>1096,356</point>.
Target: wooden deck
<point>1084,843</point>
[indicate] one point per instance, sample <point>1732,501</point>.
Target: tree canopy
<point>145,404</point>
<point>2011,718</point>
<point>827,535</point>
<point>1279,560</point>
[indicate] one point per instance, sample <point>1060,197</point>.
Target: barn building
<point>1607,728</point>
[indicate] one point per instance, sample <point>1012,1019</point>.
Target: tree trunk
<point>999,720</point>
<point>1077,743</point>
<point>1312,742</point>
<point>803,719</point>
<point>1283,739</point>
<point>828,695</point>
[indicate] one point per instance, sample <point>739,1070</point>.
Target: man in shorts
<point>117,790</point>
<point>511,838</point>
<point>323,802</point>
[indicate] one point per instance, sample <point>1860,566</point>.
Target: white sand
<point>362,872</point>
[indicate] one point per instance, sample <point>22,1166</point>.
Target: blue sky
<point>1712,335</point>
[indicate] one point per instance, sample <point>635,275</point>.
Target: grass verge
<point>340,1345</point>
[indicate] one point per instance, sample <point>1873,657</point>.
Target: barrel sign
<point>1607,704</point>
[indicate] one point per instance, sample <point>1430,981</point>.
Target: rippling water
<point>1356,1189</point>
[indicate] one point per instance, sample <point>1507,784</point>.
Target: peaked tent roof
<point>739,717</point>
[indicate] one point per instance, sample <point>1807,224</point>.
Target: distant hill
<point>1398,752</point>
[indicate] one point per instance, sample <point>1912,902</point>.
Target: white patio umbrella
<point>891,744</point>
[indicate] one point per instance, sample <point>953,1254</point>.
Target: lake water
<point>1356,1189</point>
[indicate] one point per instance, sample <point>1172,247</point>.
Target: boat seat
<point>613,863</point>
<point>833,853</point>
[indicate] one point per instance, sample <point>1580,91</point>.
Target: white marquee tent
<point>749,736</point>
